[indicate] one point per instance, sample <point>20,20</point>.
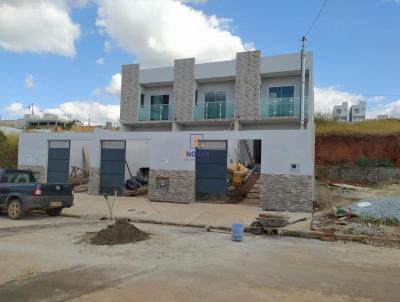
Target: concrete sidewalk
<point>140,209</point>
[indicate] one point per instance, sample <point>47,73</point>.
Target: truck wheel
<point>54,212</point>
<point>14,209</point>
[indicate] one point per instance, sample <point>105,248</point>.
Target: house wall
<point>169,156</point>
<point>183,89</point>
<point>130,93</point>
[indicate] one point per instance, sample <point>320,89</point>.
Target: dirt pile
<point>120,232</point>
<point>332,149</point>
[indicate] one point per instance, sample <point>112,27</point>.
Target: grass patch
<point>369,127</point>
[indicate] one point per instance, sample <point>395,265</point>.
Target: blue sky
<point>51,60</point>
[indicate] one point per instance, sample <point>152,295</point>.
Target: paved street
<point>43,259</point>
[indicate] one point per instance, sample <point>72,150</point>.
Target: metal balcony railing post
<point>206,107</point>
<point>220,109</point>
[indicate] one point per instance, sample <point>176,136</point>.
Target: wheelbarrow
<point>271,223</point>
<point>266,222</point>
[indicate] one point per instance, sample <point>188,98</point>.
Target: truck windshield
<point>17,177</point>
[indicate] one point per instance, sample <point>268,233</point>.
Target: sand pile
<point>120,232</point>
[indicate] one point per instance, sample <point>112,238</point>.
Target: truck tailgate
<point>56,189</point>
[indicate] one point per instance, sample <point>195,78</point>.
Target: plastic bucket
<point>237,232</point>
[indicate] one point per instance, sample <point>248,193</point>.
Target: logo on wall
<point>196,140</point>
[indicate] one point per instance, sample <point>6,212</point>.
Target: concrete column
<point>248,83</point>
<point>130,93</point>
<point>183,90</point>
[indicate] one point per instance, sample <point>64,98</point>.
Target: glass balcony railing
<point>282,107</point>
<point>213,110</point>
<point>154,112</point>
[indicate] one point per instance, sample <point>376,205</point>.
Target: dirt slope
<point>334,148</point>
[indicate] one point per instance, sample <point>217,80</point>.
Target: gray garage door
<point>211,167</point>
<point>58,162</point>
<point>112,168</point>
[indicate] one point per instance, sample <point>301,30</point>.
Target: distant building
<point>355,113</point>
<point>358,112</point>
<point>341,112</point>
<point>47,121</point>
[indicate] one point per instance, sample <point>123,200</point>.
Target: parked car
<point>20,193</point>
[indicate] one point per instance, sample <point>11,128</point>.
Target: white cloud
<point>114,86</point>
<point>391,109</point>
<point>99,113</point>
<point>97,92</point>
<point>107,46</point>
<point>100,61</point>
<point>159,31</point>
<point>38,26</point>
<point>29,81</point>
<point>326,98</point>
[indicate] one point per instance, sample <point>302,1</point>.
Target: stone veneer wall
<point>183,89</point>
<point>367,175</point>
<point>130,93</point>
<point>181,187</point>
<point>94,181</point>
<point>248,81</point>
<point>291,193</point>
<point>38,171</point>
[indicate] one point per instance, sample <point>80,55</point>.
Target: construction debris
<point>121,232</point>
<point>386,209</point>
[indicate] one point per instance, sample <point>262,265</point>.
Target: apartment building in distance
<point>354,113</point>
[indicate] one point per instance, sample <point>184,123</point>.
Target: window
<point>215,104</point>
<point>196,97</point>
<point>339,111</point>
<point>215,96</point>
<point>159,109</point>
<point>356,110</point>
<point>17,177</point>
<point>141,99</point>
<point>281,92</point>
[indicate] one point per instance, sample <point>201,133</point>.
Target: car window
<point>17,177</point>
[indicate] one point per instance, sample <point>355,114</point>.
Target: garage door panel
<point>58,162</point>
<point>210,185</point>
<point>112,180</point>
<point>210,156</point>
<point>211,171</point>
<point>113,167</point>
<point>59,153</point>
<point>57,177</point>
<point>113,154</point>
<point>58,165</point>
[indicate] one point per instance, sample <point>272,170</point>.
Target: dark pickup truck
<point>19,193</point>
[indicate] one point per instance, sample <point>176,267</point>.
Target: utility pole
<point>89,120</point>
<point>31,107</point>
<point>303,81</point>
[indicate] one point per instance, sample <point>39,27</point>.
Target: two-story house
<point>189,121</point>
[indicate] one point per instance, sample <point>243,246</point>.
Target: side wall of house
<point>130,93</point>
<point>183,89</point>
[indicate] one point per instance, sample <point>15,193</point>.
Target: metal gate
<point>211,161</point>
<point>112,167</point>
<point>58,162</point>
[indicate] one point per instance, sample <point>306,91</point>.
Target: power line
<point>316,18</point>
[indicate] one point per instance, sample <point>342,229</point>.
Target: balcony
<point>160,112</point>
<point>282,107</point>
<point>213,110</point>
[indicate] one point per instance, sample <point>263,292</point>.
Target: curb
<point>283,232</point>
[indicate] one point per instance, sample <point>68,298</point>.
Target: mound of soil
<point>120,232</point>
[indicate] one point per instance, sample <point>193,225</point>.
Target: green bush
<point>8,151</point>
<point>364,162</point>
